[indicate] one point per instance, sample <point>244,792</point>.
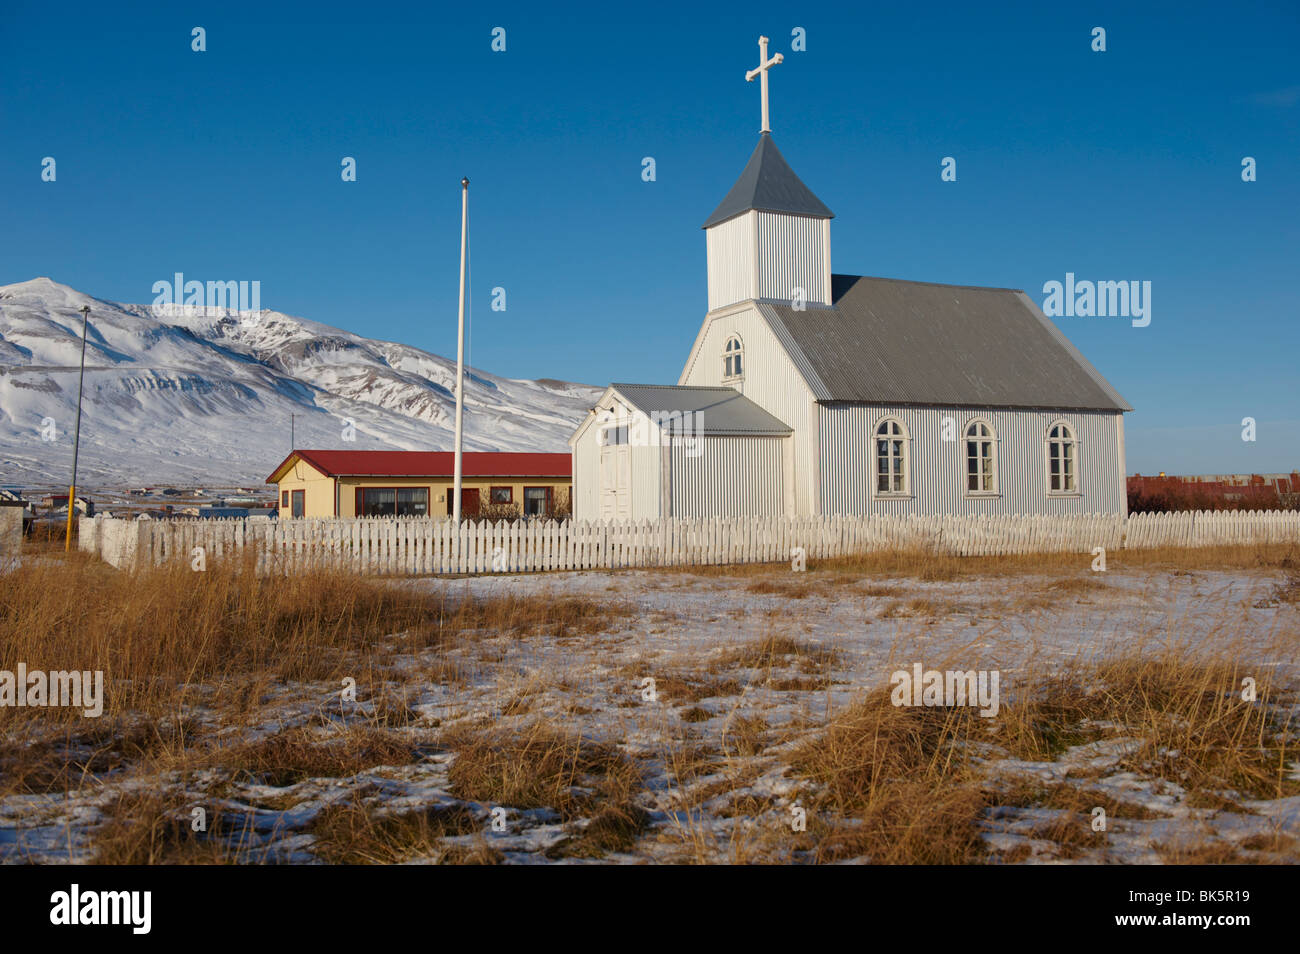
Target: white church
<point>811,393</point>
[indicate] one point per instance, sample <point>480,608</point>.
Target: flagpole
<point>460,347</point>
<point>76,440</point>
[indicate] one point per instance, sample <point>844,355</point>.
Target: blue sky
<point>1122,165</point>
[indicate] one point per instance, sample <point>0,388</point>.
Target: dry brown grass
<point>1071,830</point>
<point>353,832</point>
<point>1187,709</point>
<point>680,688</point>
<point>189,657</point>
<point>531,615</point>
<point>64,761</point>
<point>922,607</point>
<point>1071,796</point>
<point>294,755</point>
<point>910,779</point>
<point>164,637</point>
<point>537,766</point>
<point>614,828</point>
<point>1287,592</point>
<point>777,651</point>
<point>1274,842</point>
<point>687,760</point>
<point>157,635</point>
<point>793,591</point>
<point>878,589</point>
<point>1199,853</point>
<point>745,735</point>
<point>942,567</point>
<point>590,784</point>
<point>901,775</point>
<point>1075,585</point>
<point>152,827</point>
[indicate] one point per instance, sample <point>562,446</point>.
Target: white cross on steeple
<point>764,64</point>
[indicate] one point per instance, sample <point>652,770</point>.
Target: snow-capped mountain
<point>184,398</point>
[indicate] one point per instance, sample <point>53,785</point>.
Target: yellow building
<point>353,483</point>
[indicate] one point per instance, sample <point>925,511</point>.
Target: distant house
<point>234,513</point>
<point>60,502</point>
<point>348,483</point>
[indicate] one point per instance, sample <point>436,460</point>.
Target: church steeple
<point>769,185</point>
<point>770,238</point>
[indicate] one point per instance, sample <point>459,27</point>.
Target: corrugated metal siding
<point>937,466</point>
<point>771,381</point>
<point>793,255</point>
<point>647,479</point>
<point>732,477</point>
<point>1123,458</point>
<point>730,252</point>
<point>586,476</point>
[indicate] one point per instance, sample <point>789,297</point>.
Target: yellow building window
<point>392,501</point>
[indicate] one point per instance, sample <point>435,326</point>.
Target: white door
<point>615,482</point>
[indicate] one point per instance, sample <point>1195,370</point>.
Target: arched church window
<point>981,458</point>
<point>733,355</point>
<point>891,458</point>
<point>1062,459</point>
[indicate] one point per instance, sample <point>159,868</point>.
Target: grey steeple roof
<point>770,185</point>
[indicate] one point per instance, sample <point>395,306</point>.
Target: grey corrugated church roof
<point>770,185</point>
<point>718,410</point>
<point>888,341</point>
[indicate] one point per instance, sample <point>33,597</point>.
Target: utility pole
<point>460,347</point>
<point>76,440</point>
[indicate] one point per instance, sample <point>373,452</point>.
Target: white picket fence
<point>419,546</point>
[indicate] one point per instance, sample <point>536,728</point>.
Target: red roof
<point>362,463</point>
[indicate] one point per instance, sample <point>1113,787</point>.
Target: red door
<point>468,503</point>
